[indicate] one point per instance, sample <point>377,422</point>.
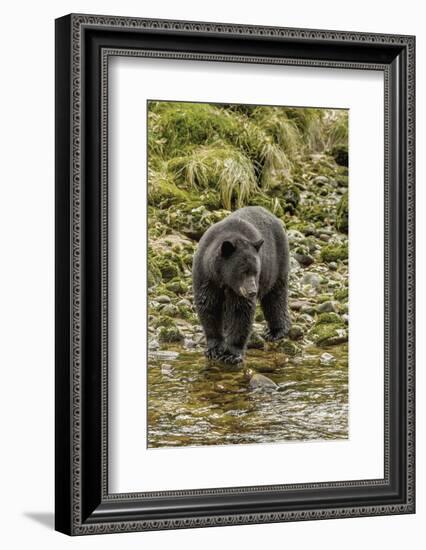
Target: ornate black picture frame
<point>83,503</point>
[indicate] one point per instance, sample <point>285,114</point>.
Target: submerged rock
<point>259,381</point>
<point>327,359</point>
<point>163,354</point>
<point>286,346</point>
<point>166,369</point>
<point>153,345</point>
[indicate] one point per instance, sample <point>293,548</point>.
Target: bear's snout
<point>249,288</point>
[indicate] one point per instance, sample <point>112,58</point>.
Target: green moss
<point>341,295</point>
<point>286,346</point>
<point>164,321</point>
<point>170,335</point>
<point>328,334</point>
<point>177,286</point>
<point>154,275</point>
<point>177,125</point>
<point>334,252</point>
<point>289,347</point>
<point>168,269</point>
<point>163,193</point>
<point>326,318</point>
<point>324,298</point>
<point>185,313</point>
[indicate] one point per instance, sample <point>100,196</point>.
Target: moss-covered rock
<point>164,321</point>
<point>185,312</point>
<point>296,332</point>
<point>154,275</point>
<point>326,318</point>
<point>334,252</point>
<point>177,286</point>
<point>328,334</point>
<point>285,346</point>
<point>341,295</point>
<point>169,269</point>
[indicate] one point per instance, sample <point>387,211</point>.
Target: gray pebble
<point>311,279</point>
<point>328,307</point>
<point>163,299</point>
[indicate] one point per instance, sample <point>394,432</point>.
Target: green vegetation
<point>206,160</point>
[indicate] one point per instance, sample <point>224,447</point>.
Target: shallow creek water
<point>194,402</point>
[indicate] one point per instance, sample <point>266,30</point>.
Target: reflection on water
<point>192,402</point>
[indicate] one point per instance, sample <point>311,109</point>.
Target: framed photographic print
<point>234,274</point>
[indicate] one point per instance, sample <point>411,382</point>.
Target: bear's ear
<point>227,249</point>
<point>258,244</point>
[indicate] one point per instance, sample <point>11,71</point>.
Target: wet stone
<point>327,359</point>
<point>163,355</point>
<point>166,369</point>
<point>260,381</point>
<point>153,345</point>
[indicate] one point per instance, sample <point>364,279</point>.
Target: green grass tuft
<point>219,167</point>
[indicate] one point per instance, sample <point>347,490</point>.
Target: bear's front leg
<point>209,305</point>
<point>238,319</point>
<point>275,310</point>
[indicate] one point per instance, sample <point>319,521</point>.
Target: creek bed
<point>192,402</point>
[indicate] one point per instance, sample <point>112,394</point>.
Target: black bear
<point>240,259</point>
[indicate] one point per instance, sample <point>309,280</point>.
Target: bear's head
<point>239,266</point>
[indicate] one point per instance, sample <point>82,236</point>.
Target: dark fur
<point>241,258</point>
